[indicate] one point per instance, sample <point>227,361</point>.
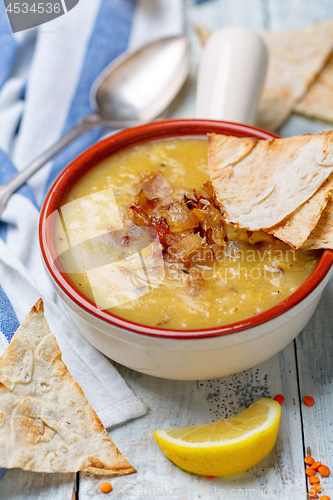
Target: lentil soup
<point>141,235</point>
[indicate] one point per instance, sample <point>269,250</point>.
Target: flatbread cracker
<point>296,227</point>
<point>295,59</point>
<point>318,101</point>
<point>322,235</point>
<point>46,422</point>
<point>260,182</point>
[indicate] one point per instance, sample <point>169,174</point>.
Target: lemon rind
<point>273,416</point>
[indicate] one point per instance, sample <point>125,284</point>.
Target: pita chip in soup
<point>296,227</point>
<point>322,235</point>
<point>258,183</point>
<point>46,422</point>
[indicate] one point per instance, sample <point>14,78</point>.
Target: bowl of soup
<point>135,244</point>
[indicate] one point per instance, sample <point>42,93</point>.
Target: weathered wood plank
<point>215,14</point>
<point>297,13</point>
<point>187,403</point>
<point>22,485</point>
<point>179,404</point>
<point>314,354</point>
<point>314,347</point>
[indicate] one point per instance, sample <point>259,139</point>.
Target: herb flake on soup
<point>142,236</point>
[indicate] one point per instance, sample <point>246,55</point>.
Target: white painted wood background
<point>304,368</point>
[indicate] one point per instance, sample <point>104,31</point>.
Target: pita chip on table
<point>46,422</point>
<point>318,101</point>
<point>295,59</point>
<point>258,183</point>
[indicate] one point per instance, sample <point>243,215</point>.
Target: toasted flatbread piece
<point>46,422</point>
<point>318,101</point>
<point>202,32</point>
<point>296,227</point>
<point>260,182</point>
<point>295,59</point>
<point>322,235</point>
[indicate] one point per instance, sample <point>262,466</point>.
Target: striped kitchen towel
<point>45,77</point>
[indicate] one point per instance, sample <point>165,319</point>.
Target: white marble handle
<point>231,75</point>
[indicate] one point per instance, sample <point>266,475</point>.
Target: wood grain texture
<point>179,404</point>
<point>314,349</point>
<point>172,403</point>
<point>217,13</point>
<point>24,485</point>
<point>314,346</point>
<point>292,14</point>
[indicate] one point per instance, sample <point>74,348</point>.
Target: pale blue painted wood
<point>315,365</point>
<point>180,404</point>
<point>290,14</point>
<point>185,403</point>
<point>23,485</point>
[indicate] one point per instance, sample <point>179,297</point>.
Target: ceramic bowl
<point>176,354</point>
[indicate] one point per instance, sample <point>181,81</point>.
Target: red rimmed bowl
<point>176,354</point>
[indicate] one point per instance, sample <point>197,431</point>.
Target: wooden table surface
<point>303,368</point>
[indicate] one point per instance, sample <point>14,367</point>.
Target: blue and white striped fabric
<point>45,77</point>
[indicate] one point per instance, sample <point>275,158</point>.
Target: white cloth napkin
<point>45,77</point>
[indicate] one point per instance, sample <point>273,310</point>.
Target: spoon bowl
<point>133,89</point>
<point>137,87</point>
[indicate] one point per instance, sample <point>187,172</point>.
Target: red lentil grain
<point>323,470</point>
<point>310,472</point>
<point>279,398</point>
<point>106,487</point>
<point>314,480</point>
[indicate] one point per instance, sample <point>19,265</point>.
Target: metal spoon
<point>133,89</point>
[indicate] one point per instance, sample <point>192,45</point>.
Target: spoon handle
<point>6,190</point>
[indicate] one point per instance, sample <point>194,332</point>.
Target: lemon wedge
<point>224,448</point>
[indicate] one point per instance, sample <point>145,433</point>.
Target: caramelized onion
<point>192,230</point>
<point>180,217</point>
<point>185,247</point>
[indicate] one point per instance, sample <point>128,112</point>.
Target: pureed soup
<point>141,235</point>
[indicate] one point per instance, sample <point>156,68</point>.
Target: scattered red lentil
<point>314,467</point>
<point>314,479</point>
<point>210,477</point>
<point>315,489</point>
<point>279,398</point>
<point>106,487</point>
<point>308,400</point>
<point>310,472</point>
<point>324,470</point>
<point>313,493</point>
